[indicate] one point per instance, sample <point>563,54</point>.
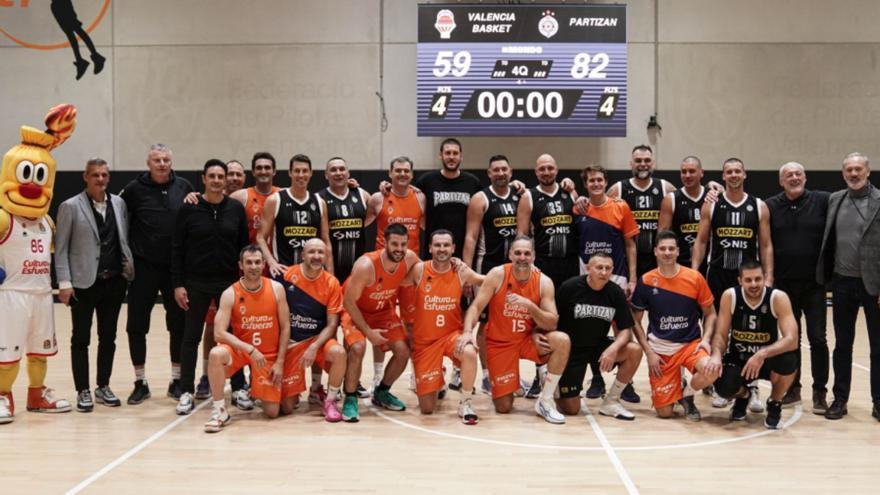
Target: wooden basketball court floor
<point>147,448</point>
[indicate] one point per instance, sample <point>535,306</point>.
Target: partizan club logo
<point>26,24</point>
<point>548,26</point>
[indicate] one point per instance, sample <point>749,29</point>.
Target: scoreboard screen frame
<point>522,70</point>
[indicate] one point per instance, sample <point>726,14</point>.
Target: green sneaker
<point>350,409</point>
<point>386,399</point>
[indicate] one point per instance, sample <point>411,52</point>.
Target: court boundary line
<point>798,413</point>
<point>131,452</point>
<point>609,451</point>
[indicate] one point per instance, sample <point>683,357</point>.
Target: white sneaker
<point>755,404</point>
<point>377,379</point>
<point>614,409</point>
<point>718,401</point>
<point>219,419</point>
<point>185,404</point>
<point>5,411</point>
<point>242,400</point>
<point>455,379</point>
<point>466,413</point>
<point>547,410</point>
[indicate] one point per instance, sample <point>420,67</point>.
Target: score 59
<point>583,65</point>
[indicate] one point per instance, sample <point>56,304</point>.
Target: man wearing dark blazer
<point>850,261</point>
<point>93,265</point>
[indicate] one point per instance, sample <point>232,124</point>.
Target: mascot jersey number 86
<point>27,324</point>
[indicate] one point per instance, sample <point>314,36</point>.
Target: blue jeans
<point>848,294</point>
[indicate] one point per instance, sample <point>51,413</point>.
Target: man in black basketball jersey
<point>347,217</point>
<point>643,193</point>
<point>736,229</point>
<point>757,333</point>
<point>491,229</point>
<point>291,217</point>
<point>680,209</point>
<point>545,213</point>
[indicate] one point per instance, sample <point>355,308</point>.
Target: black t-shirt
<point>797,228</point>
<point>586,314</point>
<point>446,204</point>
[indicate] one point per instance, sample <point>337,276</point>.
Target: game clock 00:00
<point>522,70</point>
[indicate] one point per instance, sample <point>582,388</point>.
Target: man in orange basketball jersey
<point>315,300</point>
<point>369,295</point>
<point>521,302</point>
<point>676,298</point>
<point>256,309</point>
<point>438,324</point>
<point>405,205</point>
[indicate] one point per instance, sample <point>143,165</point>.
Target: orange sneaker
<point>43,400</point>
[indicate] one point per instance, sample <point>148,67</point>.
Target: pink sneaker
<point>331,412</point>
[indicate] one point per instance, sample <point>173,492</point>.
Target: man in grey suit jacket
<point>93,264</point>
<point>850,261</point>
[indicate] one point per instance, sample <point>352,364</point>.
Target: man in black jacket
<point>797,221</point>
<point>208,237</point>
<point>152,201</point>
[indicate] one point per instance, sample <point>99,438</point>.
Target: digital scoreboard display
<point>522,70</point>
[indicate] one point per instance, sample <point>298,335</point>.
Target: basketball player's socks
<point>218,405</point>
<point>175,371</point>
<point>140,373</point>
<point>36,370</point>
<point>616,389</point>
<point>332,392</point>
<point>378,370</point>
<point>8,373</point>
<point>205,366</point>
<point>549,386</point>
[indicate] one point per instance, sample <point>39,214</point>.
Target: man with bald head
<point>545,213</point>
<point>797,221</point>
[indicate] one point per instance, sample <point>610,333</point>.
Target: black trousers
<point>104,300</point>
<point>808,299</point>
<point>848,294</point>
<point>149,280</point>
<point>199,302</point>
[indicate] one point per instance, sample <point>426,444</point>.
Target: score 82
<point>456,63</point>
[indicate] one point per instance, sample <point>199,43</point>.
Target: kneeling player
<point>676,298</point>
<point>437,330</point>
<point>315,301</point>
<point>756,328</point>
<point>257,311</point>
<point>588,305</point>
<point>520,298</point>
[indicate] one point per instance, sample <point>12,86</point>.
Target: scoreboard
<point>522,70</point>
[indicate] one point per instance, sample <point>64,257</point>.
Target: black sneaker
<point>361,392</point>
<point>597,387</point>
<point>837,410</point>
<point>534,390</point>
<point>84,401</point>
<point>774,414</point>
<point>140,393</point>
<point>738,411</point>
<point>629,394</point>
<point>708,390</point>
<point>820,405</point>
<point>174,389</point>
<point>203,389</point>
<point>792,397</point>
<point>690,409</point>
<point>103,395</point>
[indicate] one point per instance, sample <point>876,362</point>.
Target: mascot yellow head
<point>28,173</point>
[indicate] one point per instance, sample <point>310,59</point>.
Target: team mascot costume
<point>27,323</point>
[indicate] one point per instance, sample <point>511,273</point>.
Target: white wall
<point>767,81</point>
